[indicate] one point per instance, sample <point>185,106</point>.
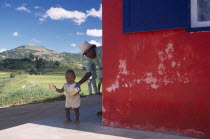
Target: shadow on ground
<point>90,127</point>
<point>18,115</point>
<point>52,126</point>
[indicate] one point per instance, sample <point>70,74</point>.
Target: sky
<point>58,25</point>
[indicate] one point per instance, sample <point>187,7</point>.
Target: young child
<point>72,100</point>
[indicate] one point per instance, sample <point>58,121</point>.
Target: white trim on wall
<point>194,16</point>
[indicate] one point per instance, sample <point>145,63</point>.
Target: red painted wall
<point>156,80</point>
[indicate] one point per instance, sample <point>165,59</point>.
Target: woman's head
<point>90,53</point>
<point>70,76</point>
<point>88,49</point>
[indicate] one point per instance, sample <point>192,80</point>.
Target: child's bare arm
<point>59,90</point>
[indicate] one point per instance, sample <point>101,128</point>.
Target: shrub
<point>33,71</point>
<point>14,74</point>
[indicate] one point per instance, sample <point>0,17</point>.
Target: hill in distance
<point>41,52</point>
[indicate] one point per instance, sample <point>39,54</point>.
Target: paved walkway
<point>89,128</point>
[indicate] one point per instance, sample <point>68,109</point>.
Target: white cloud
<point>94,32</point>
<point>80,33</point>
<point>41,20</point>
<point>23,8</point>
<point>73,45</point>
<point>15,34</point>
<point>61,14</point>
<point>36,7</point>
<point>40,15</point>
<point>94,13</point>
<point>95,42</point>
<point>3,49</point>
<point>6,5</point>
<point>35,41</point>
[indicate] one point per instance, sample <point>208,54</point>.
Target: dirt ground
<point>17,115</point>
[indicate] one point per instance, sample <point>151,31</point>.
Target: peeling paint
<point>194,132</point>
<point>173,64</point>
<point>178,74</point>
<point>113,87</point>
<point>166,81</point>
<point>118,77</point>
<point>130,84</point>
<point>161,68</point>
<point>183,78</point>
<point>179,64</point>
<point>169,50</point>
<point>148,126</point>
<point>126,85</point>
<point>123,70</point>
<point>103,109</point>
<point>166,56</point>
<point>122,67</point>
<point>138,81</point>
<point>149,79</point>
<point>154,86</point>
<point>161,57</point>
<point>110,123</point>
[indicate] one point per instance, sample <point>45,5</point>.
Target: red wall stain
<point>155,80</point>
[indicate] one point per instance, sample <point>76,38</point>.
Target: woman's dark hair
<point>92,46</point>
<point>71,72</point>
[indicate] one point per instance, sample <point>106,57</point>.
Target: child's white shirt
<point>72,101</point>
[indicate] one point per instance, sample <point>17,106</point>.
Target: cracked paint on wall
<point>123,70</point>
<point>103,109</point>
<point>169,50</point>
<point>122,67</point>
<point>166,55</point>
<point>113,87</point>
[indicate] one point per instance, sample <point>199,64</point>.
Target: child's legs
<point>77,113</point>
<point>68,114</point>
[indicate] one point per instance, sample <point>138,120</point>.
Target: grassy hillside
<point>41,52</point>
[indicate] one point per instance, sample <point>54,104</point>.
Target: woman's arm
<point>85,78</point>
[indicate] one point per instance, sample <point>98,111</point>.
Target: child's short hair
<point>70,72</point>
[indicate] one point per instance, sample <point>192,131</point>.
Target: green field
<point>24,89</point>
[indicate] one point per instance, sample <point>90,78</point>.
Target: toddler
<point>72,90</point>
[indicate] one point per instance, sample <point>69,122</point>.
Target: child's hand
<point>76,90</point>
<point>56,88</point>
<point>74,93</point>
<point>52,87</point>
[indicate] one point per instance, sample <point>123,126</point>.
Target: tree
<point>57,63</point>
<point>31,56</point>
